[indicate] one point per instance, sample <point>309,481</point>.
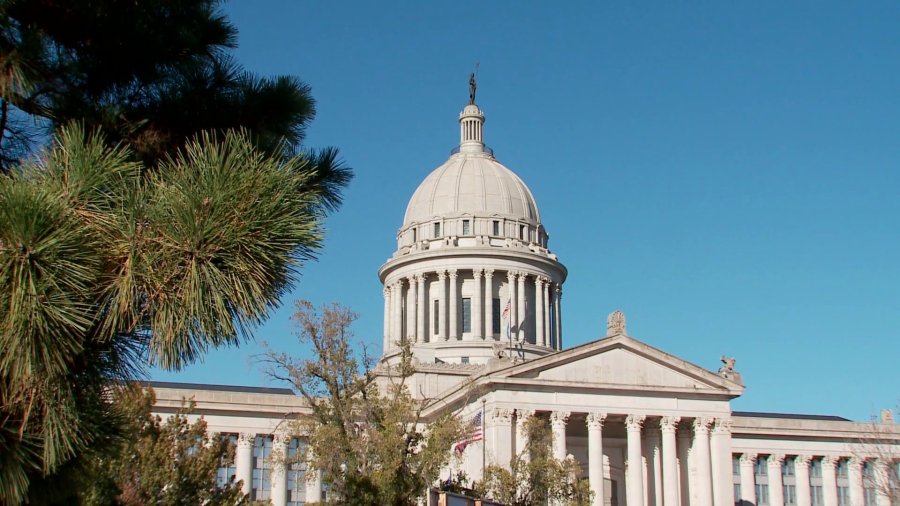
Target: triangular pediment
<point>622,362</point>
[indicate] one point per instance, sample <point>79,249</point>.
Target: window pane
<point>467,315</point>
<point>496,311</point>
<point>262,471</point>
<point>465,230</point>
<point>496,227</point>
<point>437,230</point>
<point>225,473</point>
<point>436,314</point>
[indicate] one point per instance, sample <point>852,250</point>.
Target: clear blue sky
<point>726,173</point>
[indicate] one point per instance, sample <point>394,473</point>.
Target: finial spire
<point>471,122</point>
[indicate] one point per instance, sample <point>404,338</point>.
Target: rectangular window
<point>787,469</point>
<point>495,310</point>
<point>762,494</point>
<point>736,465</point>
<point>843,494</point>
<point>437,230</point>
<point>815,468</point>
<point>414,234</point>
<point>522,232</point>
<point>790,494</point>
<point>815,495</point>
<point>296,473</point>
<point>496,227</point>
<point>437,316</point>
<point>464,360</point>
<point>761,467</point>
<point>467,315</point>
<point>870,498</point>
<point>737,494</point>
<point>841,468</point>
<point>466,229</point>
<point>262,468</point>
<point>225,474</point>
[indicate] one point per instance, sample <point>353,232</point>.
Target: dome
<point>472,184</point>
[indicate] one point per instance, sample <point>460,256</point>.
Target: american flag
<point>475,434</point>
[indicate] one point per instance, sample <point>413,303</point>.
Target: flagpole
<point>483,440</point>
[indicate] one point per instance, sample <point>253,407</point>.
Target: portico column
<point>776,492</point>
<point>829,481</point>
<point>558,421</point>
<point>634,472</point>
<point>453,312</point>
<point>489,304</point>
<point>314,486</point>
<point>442,305</point>
<point>499,436</point>
<point>882,477</point>
<point>511,300</point>
<point>420,310</point>
<point>243,461</point>
<point>558,317</point>
<point>668,426</point>
<point>477,305</point>
<point>748,479</point>
<point>653,438</point>
<point>702,461</point>
<point>854,475</point>
<point>387,319</point>
<point>522,416</point>
<point>595,455</point>
<point>411,299</point>
<point>279,469</point>
<point>684,475</point>
<point>522,311</point>
<point>720,456</point>
<point>539,311</point>
<point>398,311</point>
<point>801,476</point>
<point>545,309</point>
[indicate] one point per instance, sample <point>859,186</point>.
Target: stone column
<point>654,466</point>
<point>668,425</point>
<point>702,462</point>
<point>634,472</point>
<point>398,311</point>
<point>420,310</point>
<point>558,421</point>
<point>511,299</point>
<point>489,304</point>
<point>411,299</point>
<point>854,474</point>
<point>313,486</point>
<point>595,456</point>
<point>748,479</point>
<point>545,309</point>
<point>720,457</point>
<point>801,477</point>
<point>559,344</point>
<point>882,470</point>
<point>539,311</point>
<point>684,475</point>
<point>522,416</point>
<point>522,310</point>
<point>243,461</point>
<point>776,490</point>
<point>477,305</point>
<point>453,312</point>
<point>387,318</point>
<point>829,481</point>
<point>279,469</point>
<point>499,436</point>
<point>442,305</point>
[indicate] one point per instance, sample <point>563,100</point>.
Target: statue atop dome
<point>615,323</point>
<point>472,87</point>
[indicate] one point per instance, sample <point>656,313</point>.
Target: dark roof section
<point>220,388</point>
<point>790,416</point>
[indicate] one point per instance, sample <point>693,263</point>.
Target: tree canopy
<point>366,432</point>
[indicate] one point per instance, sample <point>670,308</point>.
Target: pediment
<point>622,362</point>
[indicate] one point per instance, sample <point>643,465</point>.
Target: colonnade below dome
<point>472,305</point>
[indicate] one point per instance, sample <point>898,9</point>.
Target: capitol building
<point>476,291</point>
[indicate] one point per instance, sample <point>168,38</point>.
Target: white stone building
<point>476,291</point>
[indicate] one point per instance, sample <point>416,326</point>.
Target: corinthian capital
<point>722,426</point>
<point>558,417</point>
<point>634,422</point>
<point>701,424</point>
<point>246,440</point>
<point>669,423</point>
<point>595,420</point>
